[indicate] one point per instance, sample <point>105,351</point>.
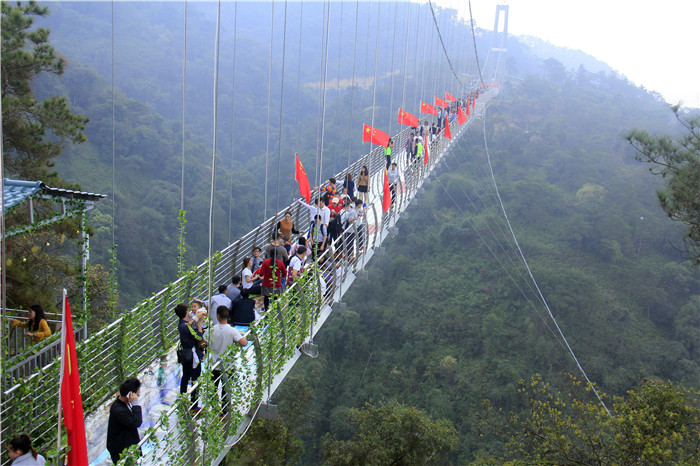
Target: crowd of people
<point>336,218</point>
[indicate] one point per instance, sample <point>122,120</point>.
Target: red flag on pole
<point>427,145</point>
<point>427,108</point>
<point>386,199</point>
<point>71,399</point>
<point>407,119</point>
<point>469,104</point>
<point>449,97</point>
<point>303,180</point>
<point>474,102</point>
<point>439,102</point>
<point>448,135</point>
<point>375,136</point>
<point>461,117</point>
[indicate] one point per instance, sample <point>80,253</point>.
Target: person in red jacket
<point>272,270</point>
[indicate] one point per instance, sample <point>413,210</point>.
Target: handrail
<point>130,344</point>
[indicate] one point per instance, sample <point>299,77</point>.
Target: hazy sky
<point>654,44</point>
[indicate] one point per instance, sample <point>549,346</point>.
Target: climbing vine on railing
<point>181,245</point>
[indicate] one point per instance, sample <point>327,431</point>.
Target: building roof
<point>16,191</point>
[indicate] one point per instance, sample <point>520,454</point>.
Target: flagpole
<point>60,380</point>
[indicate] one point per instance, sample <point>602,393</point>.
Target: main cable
<point>443,43</point>
<point>476,53</point>
<point>522,256</point>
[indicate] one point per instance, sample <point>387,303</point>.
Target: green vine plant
<point>181,245</point>
<point>113,285</point>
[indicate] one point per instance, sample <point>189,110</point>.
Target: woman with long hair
<point>363,184</point>
<point>247,278</point>
<point>37,325</point>
<point>20,451</point>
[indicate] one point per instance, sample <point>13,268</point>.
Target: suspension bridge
<point>142,342</point>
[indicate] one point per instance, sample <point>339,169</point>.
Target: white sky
<point>654,44</point>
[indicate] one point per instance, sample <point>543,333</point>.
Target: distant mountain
<point>570,58</point>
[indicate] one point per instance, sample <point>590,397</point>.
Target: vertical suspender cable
<point>340,47</point>
<point>213,151</point>
<point>352,85</point>
<point>3,249</point>
<point>301,28</point>
<point>416,97</point>
<point>320,99</point>
<point>376,60</point>
<point>391,71</point>
<point>269,105</point>
<point>405,58</point>
<point>279,143</point>
<point>184,93</point>
<point>233,113</point>
<point>323,100</point>
<point>113,262</point>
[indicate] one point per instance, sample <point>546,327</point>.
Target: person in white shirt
<point>393,175</point>
<point>220,299</point>
<point>296,265</point>
<point>223,336</point>
<point>319,208</point>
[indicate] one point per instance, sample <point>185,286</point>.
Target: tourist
<point>223,336</point>
<point>21,452</point>
<point>125,418</point>
<point>363,184</point>
<point>220,298</point>
<point>37,325</point>
<point>192,351</point>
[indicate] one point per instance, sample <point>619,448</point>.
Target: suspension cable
<point>405,60</point>
<point>449,62</point>
<point>213,152</point>
<point>476,52</point>
<point>279,143</point>
<point>393,49</point>
<point>325,77</point>
<point>301,29</point>
<point>233,113</point>
<point>269,106</point>
<point>522,256</point>
<point>352,85</point>
<point>376,60</point>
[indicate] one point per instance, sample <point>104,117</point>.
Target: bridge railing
<point>207,434</point>
<point>138,338</point>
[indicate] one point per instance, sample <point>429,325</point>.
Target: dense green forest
<point>148,78</point>
<point>441,326</point>
<point>448,318</point>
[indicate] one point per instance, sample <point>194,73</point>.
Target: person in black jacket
<point>124,419</point>
<point>190,338</point>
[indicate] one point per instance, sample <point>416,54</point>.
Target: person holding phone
<point>124,419</point>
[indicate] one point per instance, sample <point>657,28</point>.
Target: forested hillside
<point>149,85</point>
<point>447,318</point>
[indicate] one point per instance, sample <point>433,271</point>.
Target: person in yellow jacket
<point>37,325</point>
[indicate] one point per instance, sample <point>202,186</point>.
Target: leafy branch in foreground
<point>677,161</point>
<point>656,423</point>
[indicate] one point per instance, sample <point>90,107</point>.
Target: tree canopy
<point>678,162</point>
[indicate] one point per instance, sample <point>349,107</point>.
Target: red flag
<point>375,136</point>
<point>461,117</point>
<point>71,399</point>
<point>386,199</point>
<point>426,144</point>
<point>303,180</point>
<point>407,119</point>
<point>439,102</point>
<point>427,108</point>
<point>448,135</point>
<point>469,104</point>
<point>449,97</point>
<point>474,102</point>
